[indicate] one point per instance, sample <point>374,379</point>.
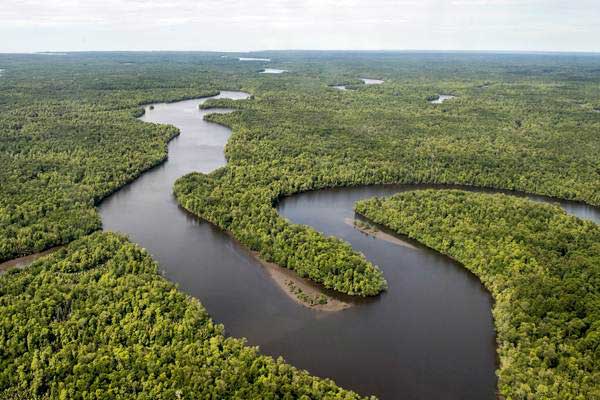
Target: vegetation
<point>68,138</point>
<point>542,268</point>
<point>365,227</point>
<point>534,132</point>
<point>329,261</point>
<point>96,321</point>
<point>320,299</point>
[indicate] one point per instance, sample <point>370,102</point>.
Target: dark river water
<point>430,336</point>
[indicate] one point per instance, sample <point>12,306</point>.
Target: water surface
<point>252,59</point>
<point>273,71</point>
<point>442,98</point>
<point>368,81</point>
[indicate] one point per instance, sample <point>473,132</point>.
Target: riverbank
<point>373,231</point>
<point>24,261</point>
<point>559,259</point>
<point>301,290</point>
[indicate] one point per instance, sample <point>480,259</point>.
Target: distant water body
<point>253,59</point>
<point>442,98</point>
<point>368,81</point>
<point>273,71</point>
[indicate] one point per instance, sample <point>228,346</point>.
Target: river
<point>430,336</point>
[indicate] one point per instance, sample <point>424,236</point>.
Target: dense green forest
<point>96,321</point>
<point>542,268</point>
<point>513,125</point>
<point>69,137</point>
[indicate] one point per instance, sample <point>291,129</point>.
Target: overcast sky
<point>236,25</point>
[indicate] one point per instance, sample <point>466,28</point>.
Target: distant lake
<point>442,98</point>
<point>369,81</point>
<point>253,59</point>
<point>273,71</point>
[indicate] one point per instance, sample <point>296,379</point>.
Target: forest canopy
<point>69,137</point>
<point>95,320</point>
<point>542,268</point>
<point>513,125</point>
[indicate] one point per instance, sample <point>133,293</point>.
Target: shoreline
<point>22,262</point>
<point>376,233</point>
<point>301,290</point>
<point>289,281</point>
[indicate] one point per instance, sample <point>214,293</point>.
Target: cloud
<point>376,24</point>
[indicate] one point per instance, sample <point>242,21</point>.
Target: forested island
<point>95,314</point>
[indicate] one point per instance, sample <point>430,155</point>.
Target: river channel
<point>430,336</point>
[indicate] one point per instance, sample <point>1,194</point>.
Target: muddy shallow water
<point>430,336</point>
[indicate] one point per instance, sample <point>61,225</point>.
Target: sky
<point>236,25</point>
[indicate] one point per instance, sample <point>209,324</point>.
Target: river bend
<point>430,336</point>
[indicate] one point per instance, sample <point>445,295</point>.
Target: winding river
<point>430,336</point>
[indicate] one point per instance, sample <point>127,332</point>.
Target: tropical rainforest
<point>96,321</point>
<point>69,138</point>
<point>542,267</point>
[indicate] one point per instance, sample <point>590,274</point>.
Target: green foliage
<point>305,298</point>
<point>542,268</point>
<point>295,136</point>
<point>96,321</point>
<point>68,138</point>
<point>326,260</point>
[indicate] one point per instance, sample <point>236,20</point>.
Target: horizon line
<point>58,52</point>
